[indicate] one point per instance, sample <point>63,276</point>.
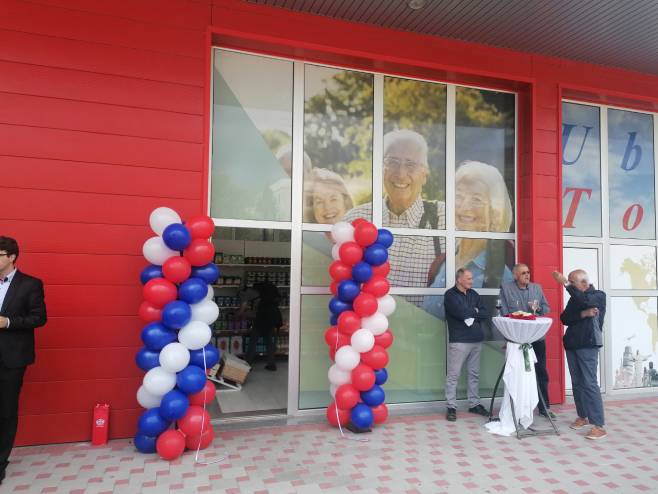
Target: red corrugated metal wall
<point>103,111</point>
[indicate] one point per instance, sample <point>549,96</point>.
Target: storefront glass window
<point>632,267</point>
<point>484,157</point>
<point>338,113</point>
<point>252,136</point>
<point>414,154</point>
<point>635,342</point>
<point>631,175</point>
<point>581,170</point>
<point>316,258</point>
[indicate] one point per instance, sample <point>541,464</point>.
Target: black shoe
<point>451,415</point>
<point>479,410</point>
<point>270,367</point>
<point>547,413</point>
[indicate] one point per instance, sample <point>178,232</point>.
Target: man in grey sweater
<point>521,294</point>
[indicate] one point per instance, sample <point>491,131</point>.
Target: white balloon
<point>146,399</point>
<point>363,340</point>
<point>334,252</point>
<point>161,218</point>
<point>332,390</point>
<point>159,382</point>
<point>342,232</point>
<point>377,323</point>
<point>347,358</point>
<point>386,305</point>
<point>195,335</point>
<point>339,376</point>
<point>174,357</point>
<point>205,311</point>
<point>156,252</point>
<point>211,293</point>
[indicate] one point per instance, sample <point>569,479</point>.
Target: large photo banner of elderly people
<point>338,186</point>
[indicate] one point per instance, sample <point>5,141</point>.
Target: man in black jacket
<point>464,311</point>
<point>584,316</point>
<point>22,309</point>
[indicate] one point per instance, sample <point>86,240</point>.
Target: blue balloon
<point>376,254</point>
<point>208,273</point>
<point>191,379</point>
<point>361,272</point>
<point>385,238</point>
<point>176,314</point>
<point>176,236</point>
<point>373,397</point>
<point>212,356</point>
<point>144,443</point>
<point>348,290</point>
<point>337,306</point>
<point>174,405</point>
<point>149,272</point>
<point>156,336</point>
<point>193,290</point>
<point>147,359</point>
<point>151,423</point>
<point>381,376</point>
<point>333,320</point>
<point>362,416</point>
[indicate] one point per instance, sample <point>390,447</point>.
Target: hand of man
<point>3,322</point>
<point>591,312</point>
<point>560,278</point>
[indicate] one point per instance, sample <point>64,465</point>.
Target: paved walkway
<point>411,454</point>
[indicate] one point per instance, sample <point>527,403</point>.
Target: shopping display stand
<point>520,334</point>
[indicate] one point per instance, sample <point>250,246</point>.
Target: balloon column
<point>359,335</point>
<point>178,309</point>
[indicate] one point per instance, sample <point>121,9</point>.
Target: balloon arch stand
<point>179,309</point>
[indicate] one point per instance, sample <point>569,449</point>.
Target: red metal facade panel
<point>98,127</point>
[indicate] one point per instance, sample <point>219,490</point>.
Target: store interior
<point>253,296</point>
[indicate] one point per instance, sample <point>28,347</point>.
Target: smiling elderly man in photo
<point>405,173</point>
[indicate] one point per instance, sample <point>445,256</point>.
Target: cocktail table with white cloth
<point>521,394</point>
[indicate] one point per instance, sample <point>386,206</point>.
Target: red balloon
<point>177,269</point>
<point>380,413</point>
<point>358,221</point>
<point>148,312</point>
<point>334,339</point>
<point>350,253</point>
<point>365,233</point>
<point>365,304</point>
<point>385,339</point>
<point>159,292</point>
<point>335,414</point>
<point>205,396</point>
<point>340,271</point>
<point>332,354</point>
<point>377,358</point>
<point>200,227</point>
<point>202,441</point>
<point>363,377</point>
<point>348,322</point>
<point>333,287</point>
<point>347,396</point>
<point>377,286</point>
<point>200,252</point>
<point>170,445</point>
<point>191,423</point>
<point>382,269</point>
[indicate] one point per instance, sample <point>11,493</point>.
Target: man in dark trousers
<point>584,315</point>
<point>22,309</point>
<point>464,311</point>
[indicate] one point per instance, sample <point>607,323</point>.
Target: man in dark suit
<point>22,309</point>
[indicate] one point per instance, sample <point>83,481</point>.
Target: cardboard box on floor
<point>234,369</point>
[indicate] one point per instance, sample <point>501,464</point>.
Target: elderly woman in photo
<point>482,204</point>
<point>327,197</point>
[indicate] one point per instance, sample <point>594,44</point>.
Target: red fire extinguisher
<point>100,424</point>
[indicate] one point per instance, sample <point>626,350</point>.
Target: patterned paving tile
<point>408,454</point>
